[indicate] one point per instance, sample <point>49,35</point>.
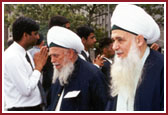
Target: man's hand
<point>154,46</point>
<point>99,60</point>
<point>40,58</point>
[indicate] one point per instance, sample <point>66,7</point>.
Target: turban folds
<point>134,19</point>
<point>65,38</point>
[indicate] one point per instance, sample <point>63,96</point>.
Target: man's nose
<point>38,36</point>
<point>95,40</point>
<point>52,59</point>
<point>115,45</point>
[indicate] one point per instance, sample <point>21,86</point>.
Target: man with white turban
<point>138,71</point>
<point>77,84</point>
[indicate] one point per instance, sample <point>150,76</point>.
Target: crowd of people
<point>127,75</point>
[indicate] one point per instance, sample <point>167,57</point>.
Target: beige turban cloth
<point>65,38</point>
<point>134,19</point>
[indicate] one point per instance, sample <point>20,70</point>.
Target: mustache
<point>116,52</point>
<point>55,64</point>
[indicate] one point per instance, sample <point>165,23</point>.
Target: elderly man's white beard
<point>63,74</point>
<point>126,73</point>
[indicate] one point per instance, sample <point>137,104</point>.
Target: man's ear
<point>140,40</point>
<point>83,40</point>
<point>24,35</point>
<point>104,50</point>
<point>71,53</point>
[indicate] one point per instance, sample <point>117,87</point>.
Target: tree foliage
<point>77,14</point>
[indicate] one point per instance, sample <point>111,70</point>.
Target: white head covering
<point>65,38</point>
<point>134,19</point>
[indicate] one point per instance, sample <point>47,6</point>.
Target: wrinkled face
<point>33,38</point>
<point>91,40</point>
<point>122,42</point>
<point>59,56</point>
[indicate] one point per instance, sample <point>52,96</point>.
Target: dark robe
<point>85,56</point>
<point>106,70</point>
<point>150,93</point>
<point>47,75</point>
<point>87,79</point>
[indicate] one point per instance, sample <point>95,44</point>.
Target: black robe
<point>150,93</point>
<point>106,70</point>
<point>87,79</point>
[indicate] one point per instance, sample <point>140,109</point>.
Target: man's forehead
<point>34,32</point>
<point>67,25</point>
<point>121,34</point>
<point>117,33</point>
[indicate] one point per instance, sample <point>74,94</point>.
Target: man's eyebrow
<point>93,37</point>
<point>117,37</point>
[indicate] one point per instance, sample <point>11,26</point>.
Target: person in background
<point>21,73</point>
<point>138,72</point>
<point>77,84</point>
<point>88,38</point>
<point>10,41</point>
<point>38,46</point>
<point>155,47</point>
<point>48,68</point>
<point>106,48</point>
<point>59,21</point>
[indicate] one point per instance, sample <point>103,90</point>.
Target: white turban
<point>135,20</point>
<point>62,37</point>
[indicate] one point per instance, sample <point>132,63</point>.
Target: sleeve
<point>24,81</point>
<point>162,90</point>
<point>81,56</point>
<point>99,92</point>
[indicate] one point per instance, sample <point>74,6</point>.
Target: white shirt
<point>109,60</point>
<point>20,81</point>
<point>82,57</point>
<point>59,101</point>
<point>87,54</point>
<point>123,102</point>
<point>33,50</point>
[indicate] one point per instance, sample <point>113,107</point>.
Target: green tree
<point>77,14</point>
<point>156,11</point>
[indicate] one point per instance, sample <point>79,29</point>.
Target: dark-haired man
<point>38,46</point>
<point>88,38</point>
<point>106,49</point>
<point>21,73</point>
<point>59,21</point>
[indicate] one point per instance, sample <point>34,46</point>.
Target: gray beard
<point>63,74</point>
<point>126,73</point>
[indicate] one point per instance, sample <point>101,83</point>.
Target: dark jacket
<point>87,79</point>
<point>106,68</point>
<point>150,93</point>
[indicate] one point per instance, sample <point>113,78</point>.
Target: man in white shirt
<point>39,44</point>
<point>21,72</point>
